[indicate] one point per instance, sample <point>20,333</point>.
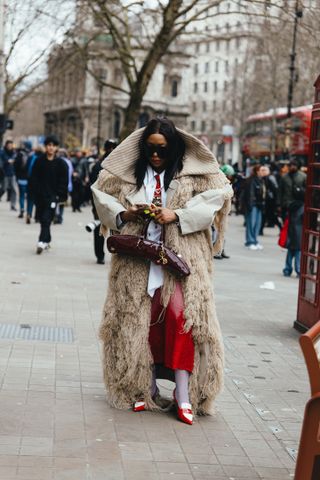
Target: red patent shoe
<point>184,412</point>
<point>139,406</point>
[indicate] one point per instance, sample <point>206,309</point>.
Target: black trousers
<point>98,244</point>
<point>45,215</point>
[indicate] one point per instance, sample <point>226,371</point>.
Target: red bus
<point>257,141</point>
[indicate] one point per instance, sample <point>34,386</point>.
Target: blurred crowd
<point>267,195</point>
<point>271,195</point>
<point>38,182</point>
<point>16,166</point>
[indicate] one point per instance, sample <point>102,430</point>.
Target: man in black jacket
<point>49,186</point>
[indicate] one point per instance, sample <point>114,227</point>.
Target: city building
<point>28,119</point>
<point>219,45</point>
<point>81,107</point>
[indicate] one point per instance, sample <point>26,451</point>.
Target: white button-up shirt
<point>156,277</point>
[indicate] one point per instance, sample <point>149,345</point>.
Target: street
<point>55,422</point>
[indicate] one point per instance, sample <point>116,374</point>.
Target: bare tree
<point>141,36</point>
<point>32,28</point>
<point>264,75</point>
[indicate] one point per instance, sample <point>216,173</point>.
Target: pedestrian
<point>253,200</point>
<point>98,239</point>
<point>77,181</point>
<point>49,186</point>
<point>21,171</point>
<point>58,218</point>
<point>292,193</point>
<point>229,172</point>
<point>269,213</point>
<point>2,189</point>
<point>8,156</point>
<point>30,163</point>
<point>155,326</point>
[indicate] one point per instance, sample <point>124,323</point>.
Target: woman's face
<point>157,151</point>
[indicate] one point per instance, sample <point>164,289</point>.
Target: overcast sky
<point>42,23</point>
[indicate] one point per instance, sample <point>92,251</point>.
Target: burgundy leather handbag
<point>156,252</point>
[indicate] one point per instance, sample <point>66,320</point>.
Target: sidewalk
<point>54,420</point>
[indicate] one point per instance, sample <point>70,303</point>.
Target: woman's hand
<point>164,215</point>
<point>134,213</point>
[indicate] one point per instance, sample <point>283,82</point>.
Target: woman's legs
<point>153,382</point>
<point>182,386</point>
<point>257,223</point>
<point>249,229</point>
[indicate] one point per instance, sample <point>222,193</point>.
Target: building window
<point>215,86</point>
<point>195,87</point>
<point>225,86</point>
<point>227,65</point>
<point>218,45</point>
<point>193,125</point>
<point>238,41</point>
<point>174,88</point>
<point>213,124</point>
<point>197,47</point>
<point>194,106</point>
<point>218,27</point>
<point>214,104</point>
<point>227,45</point>
<point>207,67</point>
<point>204,106</point>
<point>223,105</point>
<point>205,87</point>
<point>208,47</point>
<point>227,27</point>
<point>217,65</point>
<point>203,126</point>
<point>196,69</point>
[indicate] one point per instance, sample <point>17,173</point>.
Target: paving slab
<point>55,422</point>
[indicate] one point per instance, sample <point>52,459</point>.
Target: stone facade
<point>28,119</point>
<point>73,96</point>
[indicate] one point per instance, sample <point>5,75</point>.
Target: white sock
<point>182,386</point>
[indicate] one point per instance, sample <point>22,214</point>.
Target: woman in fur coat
<point>154,325</point>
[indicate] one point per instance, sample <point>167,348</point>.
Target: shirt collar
<point>150,176</point>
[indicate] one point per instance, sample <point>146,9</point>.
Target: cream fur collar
<point>198,159</point>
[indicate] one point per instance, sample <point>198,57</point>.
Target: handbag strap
<point>145,230</point>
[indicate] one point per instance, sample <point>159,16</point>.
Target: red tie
<point>157,192</point>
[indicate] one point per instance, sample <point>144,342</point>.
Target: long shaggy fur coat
<point>126,315</point>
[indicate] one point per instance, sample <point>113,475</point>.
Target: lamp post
<point>292,79</point>
<point>101,79</point>
<point>292,68</point>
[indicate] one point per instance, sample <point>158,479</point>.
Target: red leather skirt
<point>170,345</point>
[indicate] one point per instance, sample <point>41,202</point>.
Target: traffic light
<point>9,124</point>
<point>5,123</point>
